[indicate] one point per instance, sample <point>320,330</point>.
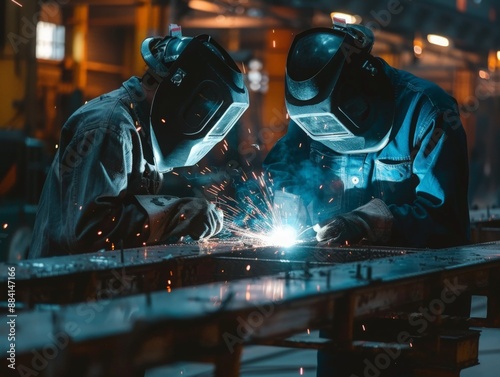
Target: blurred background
<point>55,55</point>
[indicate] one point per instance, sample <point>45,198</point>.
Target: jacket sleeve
<point>94,174</point>
<point>438,217</point>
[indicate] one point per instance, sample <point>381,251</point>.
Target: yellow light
<point>484,74</point>
<point>205,6</point>
<point>349,18</point>
<point>438,40</point>
<point>498,55</point>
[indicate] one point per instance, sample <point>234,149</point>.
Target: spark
<point>254,217</point>
<point>284,235</point>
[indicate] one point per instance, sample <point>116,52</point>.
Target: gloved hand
<point>172,217</point>
<point>372,221</point>
<point>195,217</point>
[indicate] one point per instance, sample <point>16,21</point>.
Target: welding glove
<point>172,217</point>
<point>372,221</point>
<point>289,209</point>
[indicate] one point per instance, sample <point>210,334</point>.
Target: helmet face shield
<point>332,95</point>
<point>196,104</point>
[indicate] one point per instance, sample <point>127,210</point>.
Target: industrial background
<point>55,55</point>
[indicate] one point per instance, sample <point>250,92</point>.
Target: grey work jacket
<point>103,164</point>
<point>421,174</point>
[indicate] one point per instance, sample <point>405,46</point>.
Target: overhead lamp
<point>438,40</point>
<point>484,74</point>
<point>205,6</point>
<point>418,46</point>
<point>349,18</point>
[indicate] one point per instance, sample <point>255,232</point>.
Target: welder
<point>375,154</point>
<point>104,189</point>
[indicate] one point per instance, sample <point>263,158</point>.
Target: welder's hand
<point>197,218</point>
<point>348,228</point>
<point>372,221</point>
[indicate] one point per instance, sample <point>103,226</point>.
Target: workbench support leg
<point>229,364</point>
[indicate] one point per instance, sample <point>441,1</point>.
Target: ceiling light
<point>418,46</point>
<point>438,40</point>
<point>485,75</point>
<point>349,18</point>
<point>205,6</point>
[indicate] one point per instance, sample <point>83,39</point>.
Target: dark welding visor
<point>196,104</point>
<point>337,92</point>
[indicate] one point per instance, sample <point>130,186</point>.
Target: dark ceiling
<point>475,30</point>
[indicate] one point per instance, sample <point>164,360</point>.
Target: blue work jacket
<point>421,174</point>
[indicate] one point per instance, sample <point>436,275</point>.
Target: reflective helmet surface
<point>337,92</point>
<point>200,96</point>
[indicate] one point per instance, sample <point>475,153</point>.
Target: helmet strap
<point>151,79</point>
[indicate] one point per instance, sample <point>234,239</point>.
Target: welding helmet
<point>337,92</point>
<point>200,96</point>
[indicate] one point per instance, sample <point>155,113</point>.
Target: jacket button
<point>355,180</point>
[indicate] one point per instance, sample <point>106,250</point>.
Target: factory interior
<point>234,305</point>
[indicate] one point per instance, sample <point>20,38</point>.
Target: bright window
<point>49,41</point>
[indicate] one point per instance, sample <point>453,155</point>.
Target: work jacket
<point>421,174</point>
<point>104,162</point>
